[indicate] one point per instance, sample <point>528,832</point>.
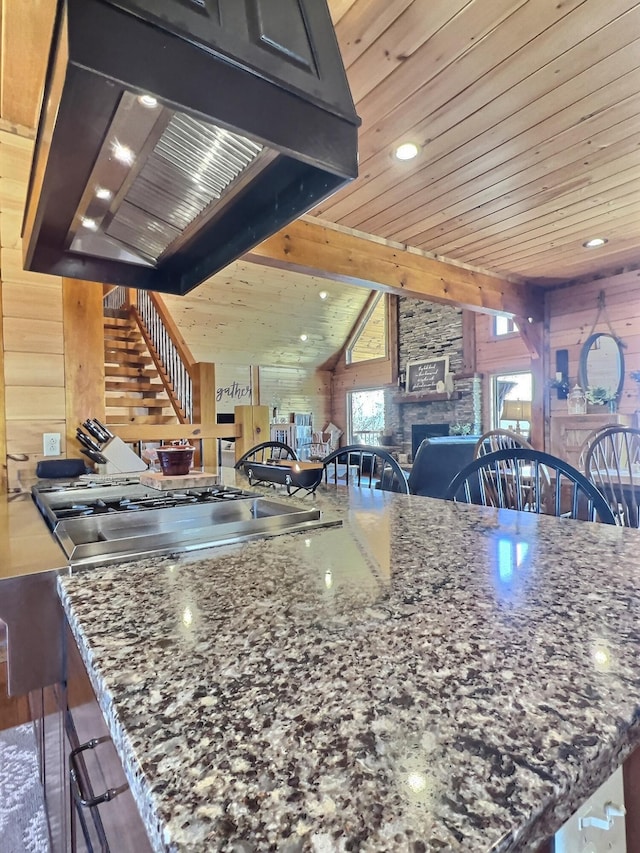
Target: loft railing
<point>174,363</point>
<point>117,299</point>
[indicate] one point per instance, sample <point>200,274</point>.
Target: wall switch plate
<point>51,444</point>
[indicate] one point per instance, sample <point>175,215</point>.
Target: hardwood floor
<point>14,710</point>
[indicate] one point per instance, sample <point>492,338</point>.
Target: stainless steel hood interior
<point>177,134</point>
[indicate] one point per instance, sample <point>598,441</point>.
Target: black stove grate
<point>137,503</point>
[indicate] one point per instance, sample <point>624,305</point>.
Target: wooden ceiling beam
<point>318,248</point>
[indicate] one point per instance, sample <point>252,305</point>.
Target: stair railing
<point>168,349</point>
<point>117,298</point>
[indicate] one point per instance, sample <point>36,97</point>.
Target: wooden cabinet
<point>69,720</point>
<point>568,432</point>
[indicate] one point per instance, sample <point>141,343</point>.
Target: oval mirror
<point>602,364</point>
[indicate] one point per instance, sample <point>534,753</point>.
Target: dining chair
<point>265,451</point>
<point>613,464</point>
<point>588,441</point>
<point>370,466</point>
<point>499,439</point>
<point>519,478</point>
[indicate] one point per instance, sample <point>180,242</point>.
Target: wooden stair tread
<point>125,346</point>
<point>129,371</point>
<point>127,385</point>
<point>126,357</point>
<point>146,402</point>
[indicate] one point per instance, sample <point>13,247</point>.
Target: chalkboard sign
<point>427,375</point>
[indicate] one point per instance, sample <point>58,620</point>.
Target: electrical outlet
<point>51,443</point>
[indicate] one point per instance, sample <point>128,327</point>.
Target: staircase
<point>134,393</point>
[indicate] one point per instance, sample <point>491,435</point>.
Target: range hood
<point>175,135</point>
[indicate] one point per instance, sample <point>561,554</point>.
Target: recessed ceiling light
<point>407,151</point>
<point>122,153</point>
<point>91,224</point>
<point>323,294</point>
<point>148,101</point>
<point>103,193</point>
<point>595,242</point>
<point>303,337</point>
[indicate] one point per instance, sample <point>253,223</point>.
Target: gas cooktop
<point>86,499</point>
<point>102,523</point>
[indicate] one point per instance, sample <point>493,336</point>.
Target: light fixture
<point>595,242</point>
<point>303,337</point>
<point>516,410</point>
<point>323,294</point>
<point>148,101</point>
<point>122,153</point>
<point>103,193</point>
<point>407,151</point>
<point>91,224</point>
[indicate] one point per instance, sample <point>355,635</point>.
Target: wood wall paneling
<point>83,353</point>
<point>572,313</point>
<point>22,334</point>
<point>3,421</point>
<point>297,390</point>
<point>32,329</point>
<point>34,369</point>
<point>504,354</point>
<point>26,34</point>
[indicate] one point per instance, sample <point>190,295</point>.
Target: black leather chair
<point>437,461</point>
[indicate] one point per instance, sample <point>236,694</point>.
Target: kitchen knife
<point>96,457</point>
<point>88,443</point>
<point>93,431</point>
<point>104,429</point>
<point>103,433</point>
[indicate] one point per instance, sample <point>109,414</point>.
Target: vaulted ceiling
<point>526,114</point>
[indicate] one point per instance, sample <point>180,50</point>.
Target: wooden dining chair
<point>586,445</point>
<point>369,466</point>
<point>613,464</point>
<point>516,478</point>
<point>499,439</point>
<point>265,451</point>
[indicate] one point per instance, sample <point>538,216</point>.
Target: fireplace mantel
<point>427,397</point>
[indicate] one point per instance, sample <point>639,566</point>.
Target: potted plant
<point>598,396</point>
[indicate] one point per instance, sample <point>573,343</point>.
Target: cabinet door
<point>47,709</point>
<point>113,826</point>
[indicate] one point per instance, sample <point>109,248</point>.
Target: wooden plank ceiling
<point>252,314</point>
<point>526,113</point>
<point>527,117</point>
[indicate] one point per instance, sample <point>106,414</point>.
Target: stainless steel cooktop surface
<point>101,523</point>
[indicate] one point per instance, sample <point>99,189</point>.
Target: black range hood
<point>175,135</point>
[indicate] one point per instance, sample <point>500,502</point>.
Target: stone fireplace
<point>431,330</point>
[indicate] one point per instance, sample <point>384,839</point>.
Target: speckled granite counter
<point>428,677</point>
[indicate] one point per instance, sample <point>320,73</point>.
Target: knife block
<point>120,458</point>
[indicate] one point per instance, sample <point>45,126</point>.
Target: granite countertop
<point>428,677</point>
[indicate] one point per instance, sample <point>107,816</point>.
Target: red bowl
<point>175,460</point>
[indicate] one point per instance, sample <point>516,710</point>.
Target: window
<point>511,397</point>
<point>366,416</point>
<point>504,325</point>
<point>369,338</point>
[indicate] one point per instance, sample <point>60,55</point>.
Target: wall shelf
<point>427,397</point>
